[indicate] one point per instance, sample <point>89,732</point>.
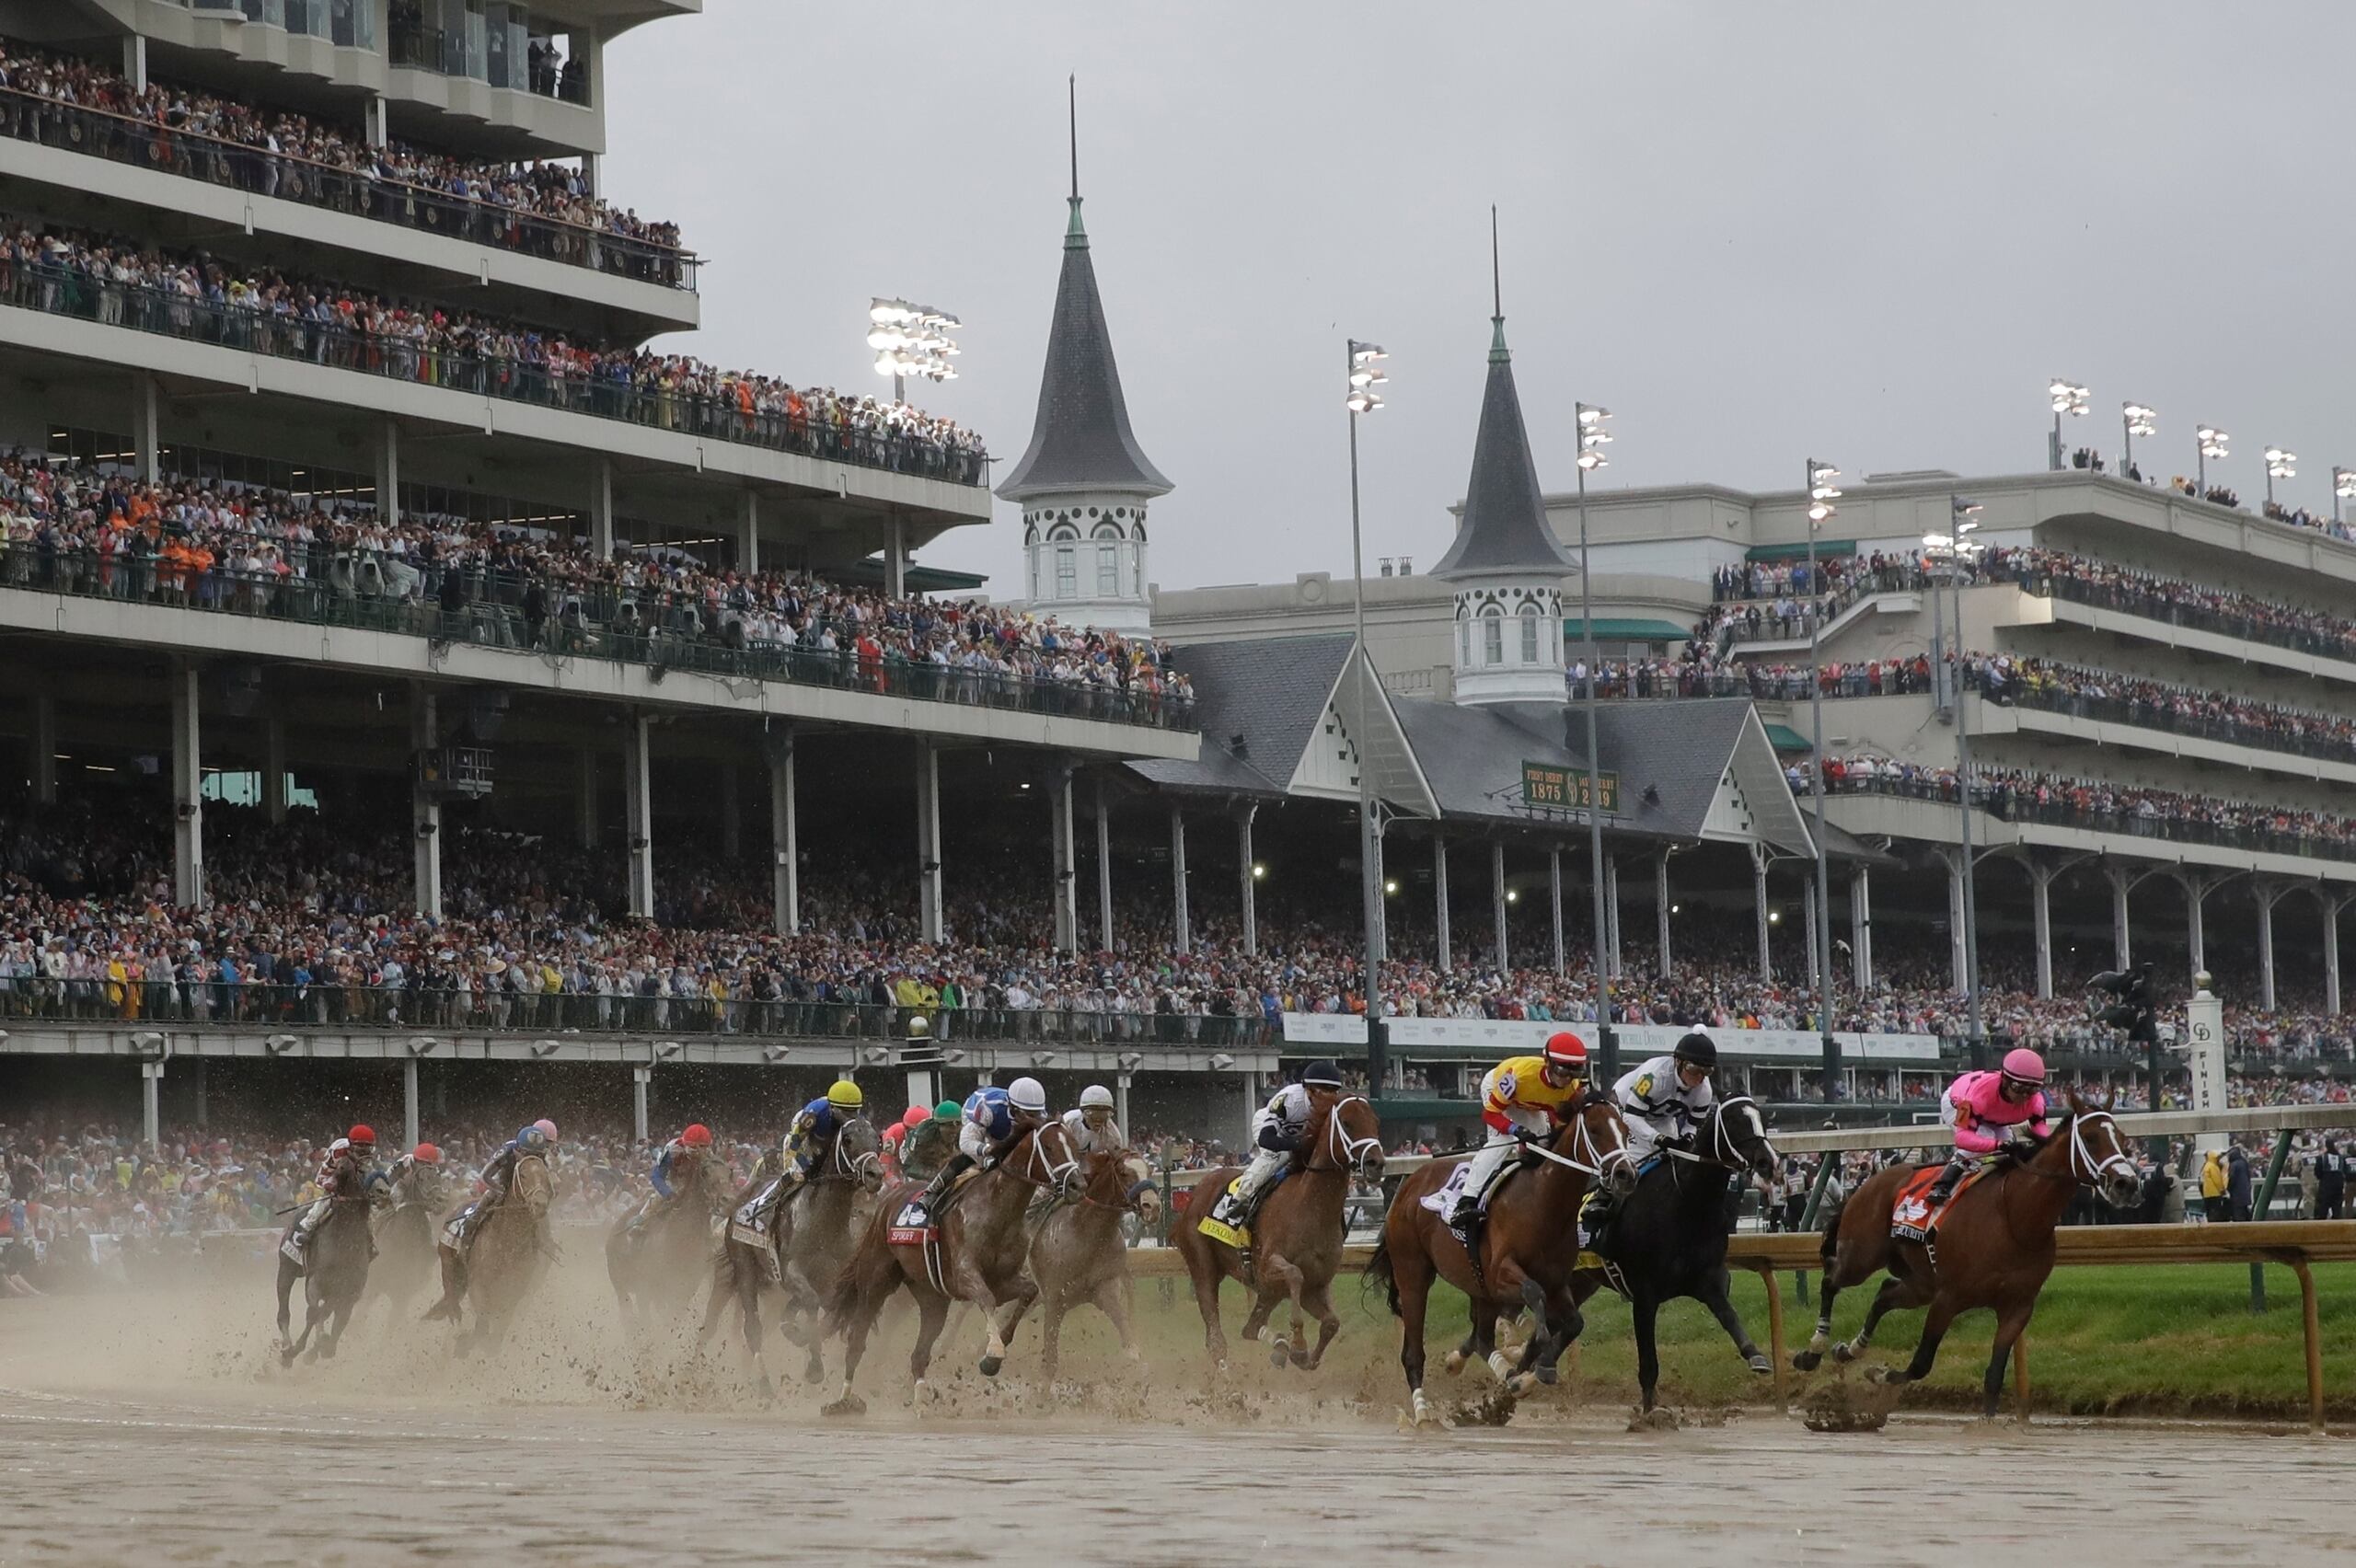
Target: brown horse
<point>1078,1256</point>
<point>1993,1247</point>
<point>811,1234</point>
<point>979,1257</point>
<point>1528,1249</point>
<point>509,1255</point>
<point>405,1245</point>
<point>657,1253</point>
<point>1296,1237</point>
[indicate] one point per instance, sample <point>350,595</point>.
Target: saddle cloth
<point>454,1231</point>
<point>916,1224</point>
<point>1224,1222</point>
<point>756,1218</point>
<point>1912,1218</point>
<point>1443,1199</point>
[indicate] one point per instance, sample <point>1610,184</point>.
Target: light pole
<point>2343,485</point>
<point>1957,549</point>
<point>1366,374</point>
<point>2065,398</point>
<point>1821,494</point>
<point>2137,420</point>
<point>911,339</point>
<point>1593,439</point>
<point>2280,465</point>
<point>2211,444</point>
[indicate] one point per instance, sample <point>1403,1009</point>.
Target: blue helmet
<point>531,1140</point>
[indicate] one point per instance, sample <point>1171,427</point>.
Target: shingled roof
<point>1504,527</point>
<point>1081,440</point>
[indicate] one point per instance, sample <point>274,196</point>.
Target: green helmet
<point>948,1110</point>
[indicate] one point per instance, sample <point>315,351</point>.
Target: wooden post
<point>1776,1330</point>
<point>2298,1265</point>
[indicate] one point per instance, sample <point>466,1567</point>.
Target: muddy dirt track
<point>163,1432</point>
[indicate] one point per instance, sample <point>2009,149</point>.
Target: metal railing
<point>2337,643</point>
<point>65,291</point>
<point>2007,803</point>
<point>28,117</point>
<point>653,627</point>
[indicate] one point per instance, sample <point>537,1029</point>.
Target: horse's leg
<point>724,1291</point>
<point>1051,1325</point>
<point>1115,1298</point>
<point>1897,1293</point>
<point>861,1324</point>
<point>1411,1275</point>
<point>285,1287</point>
<point>1645,1311</point>
<point>1480,1339</point>
<point>1320,1299</point>
<point>1207,1279</point>
<point>1714,1296</point>
<point>932,1312</point>
<point>1935,1328</point>
<point>1288,1282</point>
<point>2010,1323</point>
<point>1025,1292</point>
<point>1846,1263</point>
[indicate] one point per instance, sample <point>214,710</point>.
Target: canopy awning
<point>1782,737</point>
<point>1626,629</point>
<point>1826,550</point>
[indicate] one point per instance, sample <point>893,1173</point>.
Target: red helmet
<point>917,1117</point>
<point>697,1135</point>
<point>1566,1049</point>
<point>426,1154</point>
<point>361,1136</point>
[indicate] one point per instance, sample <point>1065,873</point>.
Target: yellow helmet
<point>844,1095</point>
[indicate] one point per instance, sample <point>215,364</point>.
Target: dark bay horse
<point>1296,1237</point>
<point>810,1238</point>
<point>509,1255</point>
<point>1079,1256</point>
<point>334,1272</point>
<point>979,1257</point>
<point>405,1241</point>
<point>1669,1238</point>
<point>658,1262</point>
<point>1528,1248</point>
<point>1993,1247</point>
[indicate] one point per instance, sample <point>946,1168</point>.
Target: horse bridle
<point>848,1168</point>
<point>1056,1174</point>
<point>1345,1151</point>
<point>1722,1149</point>
<point>1583,1138</point>
<point>2081,1156</point>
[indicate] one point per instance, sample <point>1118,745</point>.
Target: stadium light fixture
<point>773,1054</point>
<point>544,1048</point>
<point>2063,397</point>
<point>2138,419</point>
<point>2211,442</point>
<point>1363,373</point>
<point>2343,485</point>
<point>1130,1061</point>
<point>1592,424</point>
<point>912,340</point>
<point>2280,465</point>
<point>1259,871</point>
<point>666,1050</point>
<point>1593,437</point>
<point>421,1045</point>
<point>1221,1061</point>
<point>1822,495</point>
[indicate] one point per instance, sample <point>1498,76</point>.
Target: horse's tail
<point>850,1287</point>
<point>1830,1241</point>
<point>1378,1271</point>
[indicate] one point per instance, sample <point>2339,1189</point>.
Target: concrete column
<point>1956,966</point>
<point>2331,907</point>
<point>379,123</point>
<point>1250,1108</point>
<point>273,769</point>
<point>639,1077</point>
<point>785,846</point>
<point>409,1105</point>
<point>1180,923</point>
<point>1611,917</point>
<point>638,814</point>
<point>1503,952</point>
<point>928,899</point>
<point>1660,906</point>
<point>896,580</point>
<point>2195,893</point>
<point>1861,928</point>
<point>1439,899</point>
<point>2041,901</point>
<point>424,811</point>
<point>151,1083</point>
<point>601,509</point>
<point>389,471</point>
<point>134,61</point>
<point>44,748</point>
<point>732,813</point>
<point>146,425</point>
<point>2121,881</point>
<point>748,534</point>
<point>2264,897</point>
<point>584,799</point>
<point>1808,930</point>
<point>1555,909</point>
<point>1064,857</point>
<point>1121,1101</point>
<point>1105,870</point>
<point>1248,887</point>
<point>187,789</point>
<point>1381,898</point>
<point>592,171</point>
<point>1759,908</point>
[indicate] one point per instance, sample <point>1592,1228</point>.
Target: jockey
<point>820,1120</point>
<point>1980,1106</point>
<point>344,1172</point>
<point>992,1118</point>
<point>1523,1099</point>
<point>930,1145</point>
<point>895,1139</point>
<point>1666,1095</point>
<point>532,1142</point>
<point>416,1177</point>
<point>1277,1128</point>
<point>1091,1124</point>
<point>679,1164</point>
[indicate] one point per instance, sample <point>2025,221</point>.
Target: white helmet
<point>1024,1094</point>
<point>1095,1095</point>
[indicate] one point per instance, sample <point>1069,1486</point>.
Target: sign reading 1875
<point>1545,786</point>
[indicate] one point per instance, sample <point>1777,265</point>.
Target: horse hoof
<point>1520,1383</point>
<point>991,1364</point>
<point>1807,1360</point>
<point>1455,1362</point>
<point>1760,1363</point>
<point>1844,1353</point>
<point>1548,1375</point>
<point>1423,1416</point>
<point>1278,1352</point>
<point>850,1404</point>
<point>1880,1377</point>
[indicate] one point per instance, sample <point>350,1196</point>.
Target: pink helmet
<point>2025,1066</point>
<point>549,1128</point>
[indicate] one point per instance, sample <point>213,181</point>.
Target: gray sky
<point>1868,232</point>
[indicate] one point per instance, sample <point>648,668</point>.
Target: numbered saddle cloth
<point>454,1231</point>
<point>755,1220</point>
<point>1224,1222</point>
<point>912,1226</point>
<point>1912,1217</point>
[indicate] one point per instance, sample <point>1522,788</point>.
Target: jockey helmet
<point>917,1117</point>
<point>696,1136</point>
<point>1564,1049</point>
<point>1026,1094</point>
<point>361,1136</point>
<point>1094,1097</point>
<point>947,1110</point>
<point>1321,1075</point>
<point>917,1028</point>
<point>844,1095</point>
<point>1698,1050</point>
<point>2025,1067</point>
<point>426,1154</point>
<point>548,1128</point>
<point>531,1140</point>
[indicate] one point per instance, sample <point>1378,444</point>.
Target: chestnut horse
<point>1080,1257</point>
<point>1528,1248</point>
<point>1993,1247</point>
<point>980,1257</point>
<point>1296,1237</point>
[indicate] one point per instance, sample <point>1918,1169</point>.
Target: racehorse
<point>810,1235</point>
<point>1993,1247</point>
<point>1079,1254</point>
<point>508,1257</point>
<point>656,1255</point>
<point>405,1263</point>
<point>1669,1238</point>
<point>975,1252</point>
<point>1296,1237</point>
<point>334,1271</point>
<point>1528,1248</point>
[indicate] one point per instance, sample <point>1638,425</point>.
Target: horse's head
<point>1735,1135</point>
<point>858,1154</point>
<point>1105,1180</point>
<point>1350,1139</point>
<point>1595,1138</point>
<point>532,1186</point>
<point>2098,1154</point>
<point>1043,1156</point>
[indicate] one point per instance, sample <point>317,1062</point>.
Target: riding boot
<point>938,1187</point>
<point>1596,1214</point>
<point>1944,1188</point>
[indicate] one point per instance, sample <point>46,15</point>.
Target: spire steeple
<point>1497,354</point>
<point>1075,236</point>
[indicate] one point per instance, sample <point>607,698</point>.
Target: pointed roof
<point>1504,527</point>
<point>1081,440</point>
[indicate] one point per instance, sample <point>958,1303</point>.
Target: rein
<point>1345,1150</point>
<point>1583,1138</point>
<point>2081,1155</point>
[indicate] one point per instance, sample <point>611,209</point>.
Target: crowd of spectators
<point>208,136</point>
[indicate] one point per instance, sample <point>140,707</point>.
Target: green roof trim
<point>1826,550</point>
<point>1395,1109</point>
<point>1782,737</point>
<point>1624,629</point>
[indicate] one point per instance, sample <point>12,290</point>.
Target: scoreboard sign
<point>1545,786</point>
